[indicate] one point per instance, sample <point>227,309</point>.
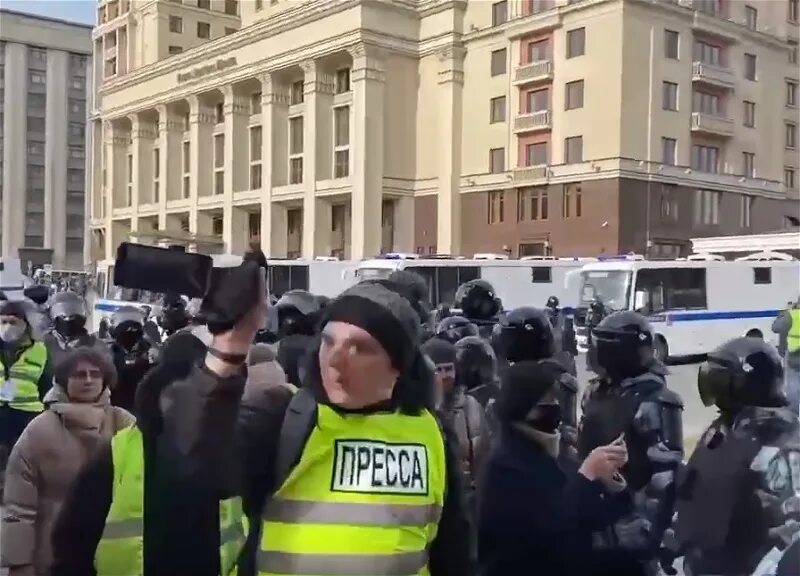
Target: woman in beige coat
<point>49,455</point>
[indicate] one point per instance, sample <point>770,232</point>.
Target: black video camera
<point>227,293</point>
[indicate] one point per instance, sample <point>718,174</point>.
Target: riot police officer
<point>526,334</point>
<point>297,313</point>
<point>630,400</point>
<point>68,317</point>
<point>739,499</point>
<point>132,353</point>
<point>173,315</point>
<point>594,315</point>
<point>478,302</point>
<point>455,328</point>
<point>476,369</point>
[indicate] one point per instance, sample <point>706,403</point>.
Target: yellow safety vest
<point>365,498</point>
<point>121,550</point>
<point>25,374</point>
<point>793,337</point>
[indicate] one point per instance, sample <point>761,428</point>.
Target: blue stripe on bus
<point>108,307</point>
<point>705,315</point>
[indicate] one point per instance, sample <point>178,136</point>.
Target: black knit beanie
<point>385,314</point>
<point>439,351</point>
<point>523,386</point>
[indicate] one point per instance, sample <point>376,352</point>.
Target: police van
<point>694,304</point>
<point>12,281</point>
<point>527,281</point>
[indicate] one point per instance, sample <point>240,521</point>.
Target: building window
<point>77,106</point>
<point>219,163</point>
<point>176,24</point>
<point>76,153</point>
<point>78,63</point>
<point>259,5</point>
<point>129,180</point>
<point>343,80</point>
<point>749,114</point>
<point>751,17</point>
<point>497,110</point>
<point>536,154</point>
<point>232,7</point>
<point>499,13</point>
<point>706,103</point>
<point>789,174</point>
<point>79,83</point>
<point>297,92</point>
<point>792,51</point>
<point>255,157</point>
<point>497,160</point>
<point>750,66</point>
<point>572,201</point>
<point>296,150</point>
<point>229,31</point>
<point>576,42</point>
<point>175,50</point>
<point>705,158</point>
<point>791,135</point>
<point>747,210</point>
<point>204,30</point>
<point>216,225</point>
<point>219,113</point>
<point>532,204</point>
<point>498,65</point>
<point>255,103</point>
<point>187,163</point>
<point>669,149</point>
<point>35,147</point>
<point>254,224</point>
<point>671,44</point>
<point>539,51</point>
<point>496,209</point>
<point>156,175</point>
<point>573,149</point>
<point>749,164</point>
<point>669,96</point>
<point>38,55</point>
<point>37,78</point>
<point>204,4</point>
<point>791,93</point>
<point>706,53</point>
<point>341,142</point>
<point>706,207</point>
<point>792,12</point>
<point>669,202</point>
<point>574,95</point>
<point>537,100</point>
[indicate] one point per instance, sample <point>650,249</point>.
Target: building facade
<point>45,96</point>
<point>352,127</point>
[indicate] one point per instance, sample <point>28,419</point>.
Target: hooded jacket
<point>41,469</point>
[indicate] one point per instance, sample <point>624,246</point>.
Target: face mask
<point>70,328</point>
<point>11,332</point>
<point>547,418</point>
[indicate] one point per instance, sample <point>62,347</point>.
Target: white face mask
<point>11,332</point>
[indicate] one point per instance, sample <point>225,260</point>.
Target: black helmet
<point>67,305</point>
<point>476,363</point>
<point>297,312</point>
<point>477,300</point>
<point>524,334</point>
<point>742,372</point>
<point>623,343</point>
<point>173,315</point>
<point>455,328</point>
<point>552,302</point>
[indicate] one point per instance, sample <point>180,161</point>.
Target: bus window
<point>279,280</point>
<point>762,275</point>
<point>428,273</point>
<point>672,288</point>
<point>298,279</point>
<point>447,284</point>
<point>467,273</point>
<point>109,288</point>
<point>541,274</point>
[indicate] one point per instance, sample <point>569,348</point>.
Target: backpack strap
<point>300,417</point>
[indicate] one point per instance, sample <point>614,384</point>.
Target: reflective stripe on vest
<point>25,374</point>
<point>364,499</point>
<point>121,549</point>
<point>793,337</point>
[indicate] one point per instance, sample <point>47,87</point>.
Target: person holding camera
<point>162,496</point>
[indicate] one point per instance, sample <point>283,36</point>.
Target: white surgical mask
<point>11,332</point>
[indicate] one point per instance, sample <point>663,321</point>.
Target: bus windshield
<point>374,273</point>
<point>611,287</point>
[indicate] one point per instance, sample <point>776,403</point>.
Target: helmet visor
<point>713,382</point>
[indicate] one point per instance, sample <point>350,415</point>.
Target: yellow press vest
<point>121,549</point>
<point>25,374</point>
<point>793,337</point>
<point>365,498</point>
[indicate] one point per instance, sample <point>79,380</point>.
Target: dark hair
<point>69,362</point>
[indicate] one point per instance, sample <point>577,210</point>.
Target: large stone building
<point>45,94</point>
<point>351,127</point>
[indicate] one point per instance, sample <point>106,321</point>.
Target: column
<point>115,180</point>
<point>313,76</point>
<point>367,148</point>
<point>404,224</point>
<point>201,130</point>
<point>274,107</point>
<point>55,165</point>
<point>237,118</point>
<point>450,95</point>
<point>170,139</point>
<point>143,136</point>
<point>14,148</point>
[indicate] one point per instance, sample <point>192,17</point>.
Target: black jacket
<point>188,468</point>
<point>536,518</point>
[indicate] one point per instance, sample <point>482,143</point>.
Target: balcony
<point>532,121</point>
<point>718,76</point>
<point>713,125</point>
<point>529,175</point>
<point>533,72</point>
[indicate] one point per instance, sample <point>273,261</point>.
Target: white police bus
<point>695,304</point>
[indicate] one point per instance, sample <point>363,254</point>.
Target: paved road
<point>683,380</point>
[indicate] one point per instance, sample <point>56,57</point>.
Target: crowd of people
<point>354,436</point>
